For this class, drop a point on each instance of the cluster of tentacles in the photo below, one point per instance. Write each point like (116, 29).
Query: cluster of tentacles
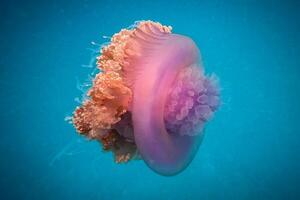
(105, 113)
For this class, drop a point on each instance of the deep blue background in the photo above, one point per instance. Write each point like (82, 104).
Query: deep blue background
(251, 149)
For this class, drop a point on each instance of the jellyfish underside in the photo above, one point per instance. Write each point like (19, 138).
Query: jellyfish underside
(151, 99)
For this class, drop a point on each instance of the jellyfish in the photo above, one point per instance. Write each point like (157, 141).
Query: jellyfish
(151, 98)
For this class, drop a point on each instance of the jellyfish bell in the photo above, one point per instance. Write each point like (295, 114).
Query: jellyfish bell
(153, 88)
(164, 151)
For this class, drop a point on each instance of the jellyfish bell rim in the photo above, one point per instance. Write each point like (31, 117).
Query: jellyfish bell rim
(176, 171)
(164, 153)
(173, 168)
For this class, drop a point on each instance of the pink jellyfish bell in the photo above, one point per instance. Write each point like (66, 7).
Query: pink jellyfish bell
(151, 99)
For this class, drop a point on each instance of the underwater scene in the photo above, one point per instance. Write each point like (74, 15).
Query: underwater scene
(149, 99)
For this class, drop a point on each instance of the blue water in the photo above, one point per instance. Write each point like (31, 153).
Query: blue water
(251, 149)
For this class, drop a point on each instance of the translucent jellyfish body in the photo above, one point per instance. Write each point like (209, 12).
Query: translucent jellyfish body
(151, 99)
